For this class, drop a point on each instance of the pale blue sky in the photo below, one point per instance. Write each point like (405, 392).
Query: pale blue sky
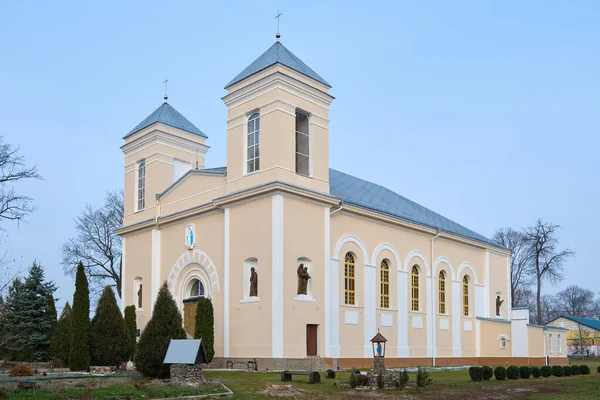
(486, 112)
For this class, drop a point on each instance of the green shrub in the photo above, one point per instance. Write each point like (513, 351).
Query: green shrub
(166, 324)
(487, 373)
(330, 374)
(575, 370)
(205, 326)
(546, 371)
(567, 371)
(3, 393)
(585, 370)
(79, 341)
(524, 372)
(536, 372)
(131, 326)
(402, 379)
(21, 370)
(352, 380)
(588, 369)
(476, 374)
(500, 373)
(362, 380)
(558, 371)
(423, 378)
(109, 342)
(512, 372)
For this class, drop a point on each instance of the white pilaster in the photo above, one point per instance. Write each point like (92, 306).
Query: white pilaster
(508, 290)
(477, 338)
(327, 237)
(480, 306)
(518, 327)
(456, 328)
(334, 316)
(487, 285)
(123, 276)
(277, 275)
(403, 293)
(155, 277)
(226, 285)
(370, 310)
(430, 318)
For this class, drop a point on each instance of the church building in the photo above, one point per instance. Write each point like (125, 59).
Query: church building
(304, 264)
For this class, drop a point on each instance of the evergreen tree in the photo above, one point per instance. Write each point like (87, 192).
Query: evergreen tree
(165, 324)
(109, 342)
(28, 316)
(59, 347)
(205, 327)
(131, 326)
(53, 322)
(79, 341)
(2, 329)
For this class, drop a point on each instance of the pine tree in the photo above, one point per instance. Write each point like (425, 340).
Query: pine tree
(205, 326)
(53, 322)
(59, 347)
(165, 324)
(109, 342)
(131, 326)
(79, 341)
(28, 316)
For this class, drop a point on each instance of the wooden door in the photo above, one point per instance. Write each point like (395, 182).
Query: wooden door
(189, 316)
(311, 340)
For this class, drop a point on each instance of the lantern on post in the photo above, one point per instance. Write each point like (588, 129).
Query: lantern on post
(378, 343)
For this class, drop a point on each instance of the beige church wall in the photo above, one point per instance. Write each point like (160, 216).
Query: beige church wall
(499, 283)
(304, 237)
(535, 341)
(459, 254)
(138, 264)
(250, 237)
(490, 335)
(193, 191)
(467, 338)
(389, 332)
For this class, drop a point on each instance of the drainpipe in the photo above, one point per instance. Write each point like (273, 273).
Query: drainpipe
(339, 209)
(433, 312)
(157, 212)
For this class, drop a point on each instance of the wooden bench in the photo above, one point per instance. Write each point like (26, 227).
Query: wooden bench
(249, 365)
(26, 385)
(313, 376)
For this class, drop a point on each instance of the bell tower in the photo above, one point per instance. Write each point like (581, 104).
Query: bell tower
(278, 123)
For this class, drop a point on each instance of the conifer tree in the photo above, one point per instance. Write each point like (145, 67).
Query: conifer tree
(205, 326)
(79, 342)
(59, 347)
(53, 322)
(165, 324)
(109, 342)
(131, 326)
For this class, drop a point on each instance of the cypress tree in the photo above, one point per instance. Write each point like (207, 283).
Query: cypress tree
(165, 324)
(205, 326)
(109, 343)
(59, 347)
(53, 322)
(79, 342)
(131, 326)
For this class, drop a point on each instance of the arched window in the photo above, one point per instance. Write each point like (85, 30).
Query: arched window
(442, 290)
(558, 344)
(141, 186)
(349, 293)
(550, 343)
(302, 144)
(466, 296)
(414, 284)
(385, 284)
(253, 140)
(503, 342)
(197, 289)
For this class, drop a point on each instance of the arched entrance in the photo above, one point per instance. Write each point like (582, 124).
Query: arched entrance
(194, 291)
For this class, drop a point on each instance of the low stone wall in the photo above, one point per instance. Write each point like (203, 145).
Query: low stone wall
(188, 375)
(274, 364)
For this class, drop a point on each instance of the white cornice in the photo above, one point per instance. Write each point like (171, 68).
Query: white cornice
(156, 134)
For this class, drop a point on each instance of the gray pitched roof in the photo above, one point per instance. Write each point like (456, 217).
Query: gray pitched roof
(277, 53)
(166, 114)
(371, 196)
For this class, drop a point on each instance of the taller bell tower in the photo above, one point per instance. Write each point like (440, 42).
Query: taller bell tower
(278, 123)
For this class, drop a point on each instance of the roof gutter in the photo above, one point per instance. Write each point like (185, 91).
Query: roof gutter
(338, 209)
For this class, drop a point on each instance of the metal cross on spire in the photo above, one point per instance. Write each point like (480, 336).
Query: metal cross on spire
(166, 82)
(278, 35)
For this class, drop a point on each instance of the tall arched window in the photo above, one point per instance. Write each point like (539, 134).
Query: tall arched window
(385, 284)
(349, 293)
(414, 284)
(466, 296)
(253, 140)
(141, 186)
(302, 144)
(442, 290)
(558, 344)
(550, 343)
(197, 289)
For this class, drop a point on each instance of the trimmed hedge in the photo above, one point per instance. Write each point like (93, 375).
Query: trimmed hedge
(575, 370)
(524, 372)
(536, 372)
(546, 371)
(567, 370)
(585, 370)
(500, 373)
(487, 373)
(512, 372)
(476, 374)
(558, 371)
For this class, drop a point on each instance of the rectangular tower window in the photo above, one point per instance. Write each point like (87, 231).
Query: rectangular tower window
(302, 145)
(253, 144)
(141, 186)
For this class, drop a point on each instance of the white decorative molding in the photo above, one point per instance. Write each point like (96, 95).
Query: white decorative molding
(391, 249)
(417, 322)
(387, 320)
(444, 260)
(352, 239)
(305, 298)
(370, 310)
(250, 300)
(123, 274)
(351, 317)
(277, 276)
(444, 324)
(328, 282)
(195, 256)
(226, 288)
(472, 270)
(468, 326)
(417, 254)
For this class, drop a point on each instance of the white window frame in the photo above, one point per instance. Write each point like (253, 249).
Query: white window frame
(245, 147)
(137, 186)
(558, 344)
(550, 350)
(310, 164)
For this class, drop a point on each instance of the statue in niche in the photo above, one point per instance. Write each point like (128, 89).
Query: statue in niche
(498, 305)
(139, 294)
(253, 283)
(303, 278)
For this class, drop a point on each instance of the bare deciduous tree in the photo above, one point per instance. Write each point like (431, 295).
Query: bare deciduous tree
(575, 301)
(96, 245)
(519, 261)
(546, 259)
